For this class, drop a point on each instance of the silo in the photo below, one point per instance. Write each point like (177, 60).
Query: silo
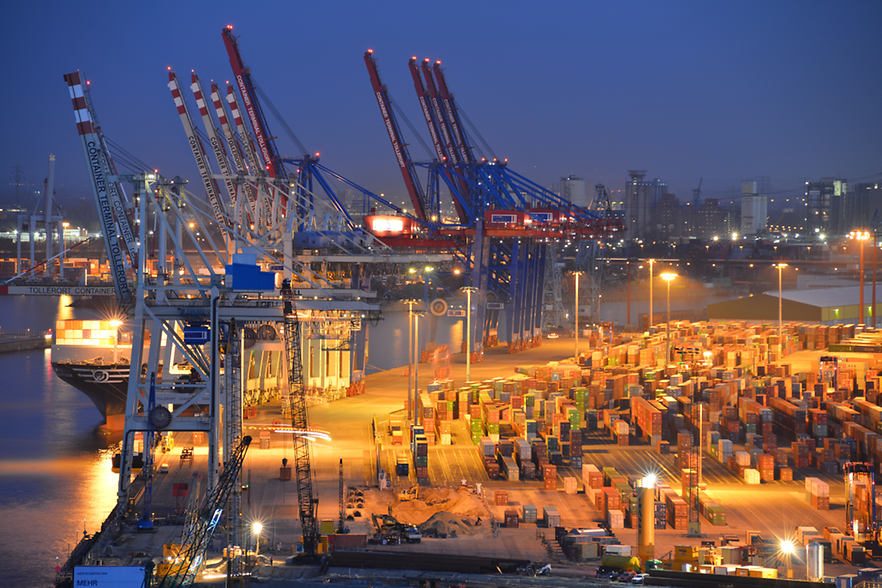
(814, 562)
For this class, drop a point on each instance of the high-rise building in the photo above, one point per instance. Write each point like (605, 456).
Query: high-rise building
(640, 200)
(819, 197)
(573, 189)
(855, 208)
(754, 209)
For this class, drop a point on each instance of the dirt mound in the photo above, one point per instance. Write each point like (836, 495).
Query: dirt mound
(447, 524)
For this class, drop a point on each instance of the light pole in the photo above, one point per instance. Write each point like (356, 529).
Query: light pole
(669, 277)
(257, 528)
(468, 337)
(787, 548)
(410, 394)
(416, 361)
(875, 248)
(115, 323)
(651, 261)
(861, 237)
(576, 354)
(780, 267)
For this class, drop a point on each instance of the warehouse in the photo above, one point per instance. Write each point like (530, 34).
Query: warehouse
(827, 306)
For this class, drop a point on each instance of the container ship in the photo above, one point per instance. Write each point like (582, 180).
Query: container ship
(93, 356)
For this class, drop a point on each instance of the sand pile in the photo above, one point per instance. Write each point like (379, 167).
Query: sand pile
(442, 509)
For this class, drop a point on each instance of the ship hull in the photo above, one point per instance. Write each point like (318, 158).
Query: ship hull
(106, 385)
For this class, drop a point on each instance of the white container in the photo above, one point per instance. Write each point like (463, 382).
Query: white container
(742, 458)
(752, 476)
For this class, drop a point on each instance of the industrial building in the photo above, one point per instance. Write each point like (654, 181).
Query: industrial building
(827, 306)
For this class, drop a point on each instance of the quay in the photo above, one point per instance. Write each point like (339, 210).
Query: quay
(13, 341)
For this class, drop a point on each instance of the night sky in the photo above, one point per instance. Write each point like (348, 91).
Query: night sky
(724, 91)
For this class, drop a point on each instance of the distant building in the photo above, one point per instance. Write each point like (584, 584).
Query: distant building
(820, 197)
(714, 221)
(667, 219)
(855, 208)
(641, 198)
(754, 209)
(573, 189)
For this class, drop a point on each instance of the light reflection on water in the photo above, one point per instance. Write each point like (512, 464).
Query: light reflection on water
(54, 472)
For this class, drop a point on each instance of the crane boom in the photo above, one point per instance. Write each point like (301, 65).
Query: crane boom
(453, 158)
(96, 158)
(465, 152)
(404, 161)
(268, 151)
(214, 137)
(265, 206)
(233, 143)
(196, 146)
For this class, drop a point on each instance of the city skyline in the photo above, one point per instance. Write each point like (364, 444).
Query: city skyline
(682, 90)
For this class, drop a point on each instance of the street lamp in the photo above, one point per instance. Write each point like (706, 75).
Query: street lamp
(410, 394)
(780, 267)
(788, 549)
(861, 237)
(416, 361)
(576, 355)
(669, 277)
(651, 262)
(468, 338)
(257, 527)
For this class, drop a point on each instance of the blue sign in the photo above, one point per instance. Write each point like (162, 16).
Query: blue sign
(196, 335)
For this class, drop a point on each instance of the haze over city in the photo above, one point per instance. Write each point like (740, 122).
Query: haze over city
(684, 90)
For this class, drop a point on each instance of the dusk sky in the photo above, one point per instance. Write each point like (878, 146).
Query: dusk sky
(724, 91)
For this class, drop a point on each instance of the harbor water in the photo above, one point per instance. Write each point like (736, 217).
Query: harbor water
(55, 473)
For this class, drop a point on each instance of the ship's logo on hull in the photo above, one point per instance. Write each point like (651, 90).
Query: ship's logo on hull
(100, 375)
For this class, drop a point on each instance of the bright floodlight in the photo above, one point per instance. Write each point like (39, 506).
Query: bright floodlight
(257, 528)
(115, 323)
(649, 481)
(787, 547)
(668, 276)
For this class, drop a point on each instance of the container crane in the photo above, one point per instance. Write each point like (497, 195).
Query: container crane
(104, 189)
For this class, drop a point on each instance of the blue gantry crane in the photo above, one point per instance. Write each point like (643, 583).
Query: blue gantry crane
(504, 220)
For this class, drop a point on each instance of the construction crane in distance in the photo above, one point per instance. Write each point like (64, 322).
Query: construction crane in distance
(696, 193)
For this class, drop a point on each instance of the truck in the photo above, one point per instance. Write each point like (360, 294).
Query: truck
(389, 529)
(629, 563)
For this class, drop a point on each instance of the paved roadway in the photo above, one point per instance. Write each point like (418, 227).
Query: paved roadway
(776, 509)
